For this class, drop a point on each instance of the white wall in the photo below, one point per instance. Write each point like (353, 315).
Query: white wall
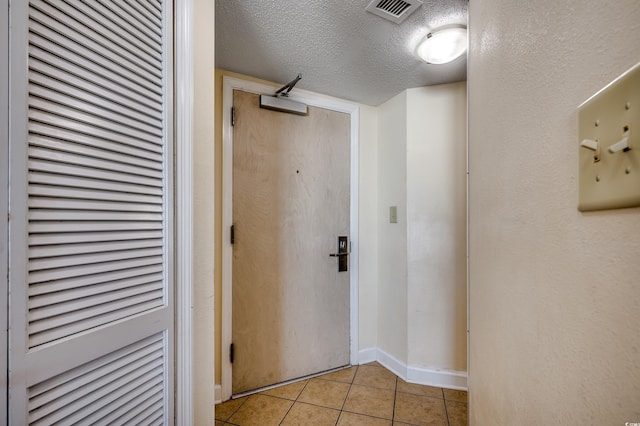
(203, 221)
(422, 298)
(368, 232)
(554, 293)
(437, 227)
(392, 237)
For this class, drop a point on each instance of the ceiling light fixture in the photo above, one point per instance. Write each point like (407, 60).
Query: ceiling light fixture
(444, 45)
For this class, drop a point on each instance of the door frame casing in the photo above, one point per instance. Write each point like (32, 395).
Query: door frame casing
(4, 207)
(183, 86)
(229, 84)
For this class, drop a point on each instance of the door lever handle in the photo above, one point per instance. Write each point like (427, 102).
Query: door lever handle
(339, 254)
(342, 254)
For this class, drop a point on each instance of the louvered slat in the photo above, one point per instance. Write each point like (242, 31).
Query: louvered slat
(148, 416)
(83, 389)
(81, 321)
(97, 394)
(71, 204)
(75, 238)
(132, 8)
(128, 154)
(143, 166)
(151, 6)
(50, 83)
(38, 163)
(51, 16)
(93, 247)
(67, 153)
(100, 75)
(57, 120)
(106, 36)
(133, 285)
(138, 400)
(71, 284)
(82, 54)
(65, 313)
(76, 113)
(73, 187)
(142, 40)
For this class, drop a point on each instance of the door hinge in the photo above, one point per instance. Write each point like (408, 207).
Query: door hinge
(231, 353)
(233, 116)
(232, 237)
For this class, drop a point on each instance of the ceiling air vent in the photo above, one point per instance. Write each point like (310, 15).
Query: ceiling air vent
(394, 10)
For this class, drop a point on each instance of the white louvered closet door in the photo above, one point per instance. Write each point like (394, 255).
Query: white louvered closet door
(90, 230)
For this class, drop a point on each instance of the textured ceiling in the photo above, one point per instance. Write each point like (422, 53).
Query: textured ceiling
(339, 48)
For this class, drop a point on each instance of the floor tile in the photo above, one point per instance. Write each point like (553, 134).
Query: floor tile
(370, 401)
(420, 410)
(421, 390)
(367, 395)
(261, 410)
(345, 375)
(325, 393)
(377, 377)
(455, 395)
(225, 410)
(290, 391)
(457, 412)
(304, 414)
(351, 419)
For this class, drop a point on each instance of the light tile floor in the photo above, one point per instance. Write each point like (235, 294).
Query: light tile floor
(361, 395)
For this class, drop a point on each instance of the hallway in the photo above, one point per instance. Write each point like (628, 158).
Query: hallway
(360, 395)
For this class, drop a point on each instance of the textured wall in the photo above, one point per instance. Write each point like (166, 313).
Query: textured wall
(392, 237)
(437, 227)
(554, 293)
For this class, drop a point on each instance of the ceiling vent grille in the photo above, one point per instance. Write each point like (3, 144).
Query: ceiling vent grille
(394, 10)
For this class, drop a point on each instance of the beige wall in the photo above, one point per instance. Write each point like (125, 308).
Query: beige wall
(203, 205)
(392, 237)
(554, 293)
(437, 227)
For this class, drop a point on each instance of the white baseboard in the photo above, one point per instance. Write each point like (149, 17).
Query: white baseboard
(217, 394)
(392, 363)
(448, 379)
(367, 355)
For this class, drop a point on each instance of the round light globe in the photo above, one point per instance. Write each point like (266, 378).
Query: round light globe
(443, 46)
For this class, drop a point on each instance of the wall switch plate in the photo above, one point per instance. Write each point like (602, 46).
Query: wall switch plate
(393, 214)
(609, 145)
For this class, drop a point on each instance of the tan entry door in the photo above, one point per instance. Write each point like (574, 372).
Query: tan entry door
(290, 204)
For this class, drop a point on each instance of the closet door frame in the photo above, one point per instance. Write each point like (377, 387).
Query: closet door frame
(183, 123)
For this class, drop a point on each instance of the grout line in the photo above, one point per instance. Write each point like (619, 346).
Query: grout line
(295, 400)
(348, 392)
(446, 411)
(395, 395)
(234, 411)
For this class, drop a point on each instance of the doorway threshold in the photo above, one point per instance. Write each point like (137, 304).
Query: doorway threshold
(288, 382)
